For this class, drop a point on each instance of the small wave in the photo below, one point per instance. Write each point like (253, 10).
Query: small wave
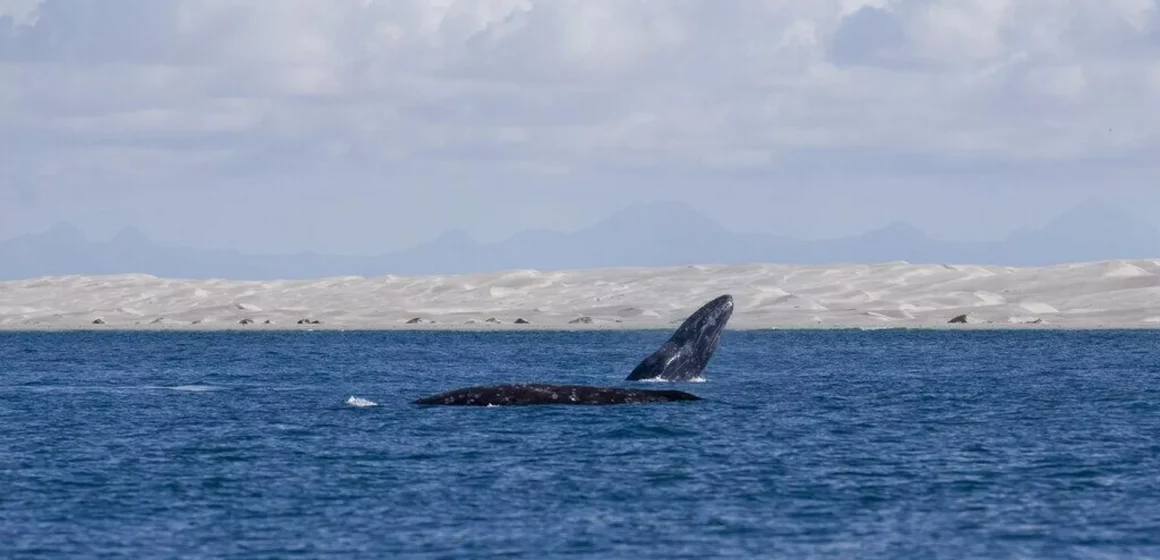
(643, 431)
(360, 402)
(109, 388)
(194, 388)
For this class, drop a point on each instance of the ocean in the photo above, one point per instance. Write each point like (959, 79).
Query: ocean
(809, 444)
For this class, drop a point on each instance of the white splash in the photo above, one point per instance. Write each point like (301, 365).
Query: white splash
(697, 379)
(360, 402)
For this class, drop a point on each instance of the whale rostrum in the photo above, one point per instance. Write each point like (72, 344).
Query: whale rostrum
(685, 354)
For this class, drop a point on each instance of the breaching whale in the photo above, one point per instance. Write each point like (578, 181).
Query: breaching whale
(685, 354)
(681, 358)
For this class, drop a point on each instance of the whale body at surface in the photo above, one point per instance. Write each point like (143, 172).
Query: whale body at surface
(543, 393)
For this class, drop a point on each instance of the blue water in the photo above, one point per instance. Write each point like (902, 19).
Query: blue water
(884, 444)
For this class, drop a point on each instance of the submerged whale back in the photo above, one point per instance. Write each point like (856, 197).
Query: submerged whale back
(541, 393)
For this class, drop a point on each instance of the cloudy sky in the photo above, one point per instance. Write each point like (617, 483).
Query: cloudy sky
(360, 126)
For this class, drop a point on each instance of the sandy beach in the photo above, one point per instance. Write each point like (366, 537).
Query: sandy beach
(1107, 294)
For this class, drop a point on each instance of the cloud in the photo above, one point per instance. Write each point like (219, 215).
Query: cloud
(145, 88)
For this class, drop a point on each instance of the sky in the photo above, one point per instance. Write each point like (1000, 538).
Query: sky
(364, 126)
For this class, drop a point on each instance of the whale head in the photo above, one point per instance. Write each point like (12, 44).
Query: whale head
(686, 353)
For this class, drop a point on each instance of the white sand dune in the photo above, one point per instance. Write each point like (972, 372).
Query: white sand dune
(1094, 295)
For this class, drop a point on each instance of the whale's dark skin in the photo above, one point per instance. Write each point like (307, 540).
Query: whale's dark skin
(542, 393)
(682, 357)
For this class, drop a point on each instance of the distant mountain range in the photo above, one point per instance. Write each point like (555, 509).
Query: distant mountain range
(662, 234)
